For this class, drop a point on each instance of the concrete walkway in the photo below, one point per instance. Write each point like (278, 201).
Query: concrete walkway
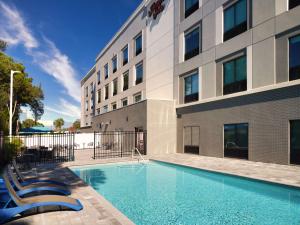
(99, 211)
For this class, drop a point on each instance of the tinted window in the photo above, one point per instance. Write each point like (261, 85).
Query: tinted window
(236, 140)
(293, 3)
(235, 76)
(106, 71)
(295, 142)
(125, 81)
(139, 73)
(192, 43)
(115, 90)
(138, 45)
(115, 64)
(235, 19)
(191, 88)
(125, 55)
(190, 7)
(106, 92)
(294, 58)
(191, 139)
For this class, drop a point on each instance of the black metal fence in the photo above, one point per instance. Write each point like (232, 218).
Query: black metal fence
(116, 144)
(39, 148)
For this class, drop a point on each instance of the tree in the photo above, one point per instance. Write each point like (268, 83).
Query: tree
(25, 93)
(58, 123)
(30, 123)
(3, 46)
(76, 125)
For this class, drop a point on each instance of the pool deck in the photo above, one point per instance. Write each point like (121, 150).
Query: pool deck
(99, 211)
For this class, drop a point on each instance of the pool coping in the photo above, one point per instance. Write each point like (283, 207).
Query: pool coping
(253, 178)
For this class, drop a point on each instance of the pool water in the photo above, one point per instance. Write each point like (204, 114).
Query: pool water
(161, 193)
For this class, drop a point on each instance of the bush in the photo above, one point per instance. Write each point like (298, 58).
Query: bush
(10, 150)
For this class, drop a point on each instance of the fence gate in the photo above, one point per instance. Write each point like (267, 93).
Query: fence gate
(41, 148)
(114, 144)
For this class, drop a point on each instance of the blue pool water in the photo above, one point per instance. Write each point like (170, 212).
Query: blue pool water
(161, 193)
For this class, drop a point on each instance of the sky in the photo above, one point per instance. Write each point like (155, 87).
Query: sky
(58, 41)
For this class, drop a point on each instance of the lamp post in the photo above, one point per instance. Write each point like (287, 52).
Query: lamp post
(12, 72)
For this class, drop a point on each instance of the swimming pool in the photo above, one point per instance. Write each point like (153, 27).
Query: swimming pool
(162, 193)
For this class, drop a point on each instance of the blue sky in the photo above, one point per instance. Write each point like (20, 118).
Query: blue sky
(58, 41)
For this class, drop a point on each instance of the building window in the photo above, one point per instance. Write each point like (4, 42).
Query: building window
(294, 58)
(192, 43)
(98, 77)
(106, 71)
(192, 140)
(138, 44)
(115, 87)
(125, 80)
(295, 142)
(125, 55)
(137, 97)
(293, 3)
(236, 140)
(190, 6)
(114, 106)
(98, 111)
(235, 76)
(106, 92)
(92, 103)
(139, 73)
(86, 91)
(92, 88)
(124, 102)
(115, 64)
(191, 88)
(105, 109)
(235, 19)
(99, 96)
(86, 105)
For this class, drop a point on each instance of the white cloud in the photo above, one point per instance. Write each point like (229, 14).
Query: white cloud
(50, 59)
(65, 108)
(14, 30)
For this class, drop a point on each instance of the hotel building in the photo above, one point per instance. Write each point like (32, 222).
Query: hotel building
(216, 78)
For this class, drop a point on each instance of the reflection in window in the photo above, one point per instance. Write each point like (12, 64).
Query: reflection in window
(192, 43)
(235, 75)
(294, 58)
(191, 88)
(295, 141)
(139, 73)
(137, 97)
(138, 45)
(235, 19)
(236, 140)
(190, 6)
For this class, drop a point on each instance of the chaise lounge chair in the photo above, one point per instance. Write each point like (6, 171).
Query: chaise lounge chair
(24, 181)
(17, 205)
(35, 187)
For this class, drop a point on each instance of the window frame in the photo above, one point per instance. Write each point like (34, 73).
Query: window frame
(194, 98)
(114, 62)
(239, 28)
(106, 71)
(196, 51)
(106, 94)
(136, 53)
(293, 156)
(127, 87)
(235, 75)
(124, 62)
(241, 155)
(105, 109)
(99, 77)
(112, 106)
(99, 96)
(297, 77)
(140, 79)
(191, 10)
(115, 86)
(123, 100)
(137, 94)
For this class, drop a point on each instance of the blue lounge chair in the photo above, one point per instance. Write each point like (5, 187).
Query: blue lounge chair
(35, 187)
(17, 205)
(24, 181)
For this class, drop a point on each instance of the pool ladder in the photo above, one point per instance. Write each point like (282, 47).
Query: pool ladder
(140, 155)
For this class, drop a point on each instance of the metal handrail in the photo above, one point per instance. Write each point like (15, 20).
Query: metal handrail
(138, 153)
